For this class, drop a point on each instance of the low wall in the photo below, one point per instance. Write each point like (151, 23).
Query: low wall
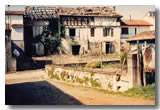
(112, 82)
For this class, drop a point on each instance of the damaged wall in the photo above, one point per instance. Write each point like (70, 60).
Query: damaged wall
(107, 81)
(38, 28)
(83, 33)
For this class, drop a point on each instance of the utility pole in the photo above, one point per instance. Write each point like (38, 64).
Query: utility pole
(101, 57)
(144, 70)
(138, 65)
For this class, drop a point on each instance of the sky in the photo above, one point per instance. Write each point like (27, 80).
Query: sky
(135, 11)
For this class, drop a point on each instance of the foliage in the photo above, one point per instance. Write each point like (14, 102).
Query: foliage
(50, 72)
(51, 39)
(123, 57)
(147, 92)
(51, 43)
(93, 64)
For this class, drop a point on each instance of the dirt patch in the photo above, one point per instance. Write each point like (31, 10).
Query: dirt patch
(38, 90)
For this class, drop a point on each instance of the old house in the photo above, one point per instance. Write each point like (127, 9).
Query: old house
(146, 41)
(36, 21)
(131, 27)
(14, 38)
(85, 28)
(89, 26)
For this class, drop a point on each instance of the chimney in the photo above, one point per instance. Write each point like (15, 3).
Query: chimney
(114, 8)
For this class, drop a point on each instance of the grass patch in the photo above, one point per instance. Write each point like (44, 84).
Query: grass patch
(148, 92)
(93, 65)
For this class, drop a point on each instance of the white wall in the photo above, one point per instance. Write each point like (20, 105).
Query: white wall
(151, 20)
(131, 31)
(37, 30)
(83, 32)
(14, 19)
(16, 32)
(38, 27)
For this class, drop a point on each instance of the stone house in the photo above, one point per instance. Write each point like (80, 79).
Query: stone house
(130, 28)
(88, 27)
(85, 28)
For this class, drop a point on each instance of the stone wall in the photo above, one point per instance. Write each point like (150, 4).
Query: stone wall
(107, 81)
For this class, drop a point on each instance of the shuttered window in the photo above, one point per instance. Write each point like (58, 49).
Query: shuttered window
(92, 32)
(124, 30)
(107, 32)
(72, 32)
(112, 33)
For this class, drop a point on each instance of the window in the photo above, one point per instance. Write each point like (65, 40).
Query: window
(124, 30)
(72, 32)
(135, 31)
(109, 47)
(106, 31)
(92, 32)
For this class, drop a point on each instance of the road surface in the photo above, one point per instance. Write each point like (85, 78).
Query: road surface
(33, 87)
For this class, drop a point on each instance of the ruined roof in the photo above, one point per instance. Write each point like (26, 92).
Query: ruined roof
(14, 12)
(41, 12)
(49, 12)
(88, 11)
(146, 35)
(135, 23)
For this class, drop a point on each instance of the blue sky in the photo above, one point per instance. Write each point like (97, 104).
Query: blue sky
(136, 11)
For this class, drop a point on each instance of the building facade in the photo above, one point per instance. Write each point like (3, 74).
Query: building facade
(14, 38)
(85, 28)
(130, 28)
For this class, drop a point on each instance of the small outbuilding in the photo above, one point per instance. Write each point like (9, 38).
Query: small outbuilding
(142, 45)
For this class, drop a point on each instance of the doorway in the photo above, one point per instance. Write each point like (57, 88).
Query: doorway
(28, 33)
(134, 60)
(108, 47)
(75, 49)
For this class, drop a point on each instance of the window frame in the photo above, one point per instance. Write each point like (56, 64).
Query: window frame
(92, 31)
(125, 32)
(105, 32)
(71, 29)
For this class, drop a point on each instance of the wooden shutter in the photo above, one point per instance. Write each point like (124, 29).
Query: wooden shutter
(92, 32)
(112, 33)
(104, 32)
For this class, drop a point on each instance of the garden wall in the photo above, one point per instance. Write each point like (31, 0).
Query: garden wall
(107, 81)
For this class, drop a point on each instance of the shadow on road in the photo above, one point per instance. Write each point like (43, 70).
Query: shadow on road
(37, 93)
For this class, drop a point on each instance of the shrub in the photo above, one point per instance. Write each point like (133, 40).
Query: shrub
(123, 57)
(50, 72)
(93, 64)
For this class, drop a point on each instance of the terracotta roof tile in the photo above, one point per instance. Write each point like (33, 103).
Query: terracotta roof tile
(89, 11)
(146, 35)
(135, 23)
(17, 25)
(14, 12)
(49, 12)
